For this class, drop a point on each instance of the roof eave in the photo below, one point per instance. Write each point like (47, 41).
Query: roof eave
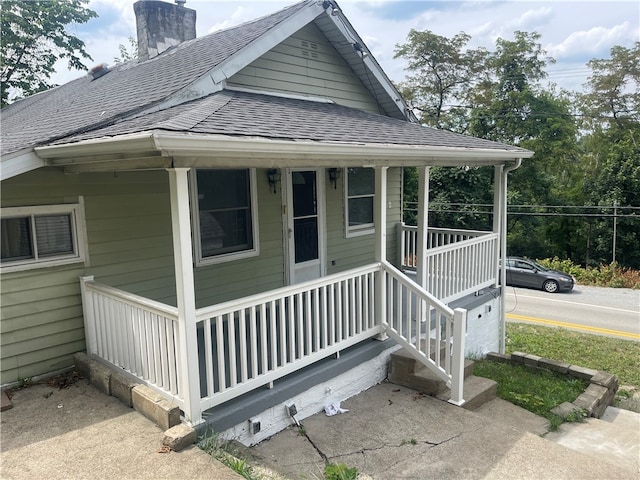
(161, 149)
(20, 162)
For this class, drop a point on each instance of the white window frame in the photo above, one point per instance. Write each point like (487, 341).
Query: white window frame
(201, 261)
(78, 234)
(356, 231)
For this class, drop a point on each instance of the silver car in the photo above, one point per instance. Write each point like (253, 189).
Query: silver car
(522, 272)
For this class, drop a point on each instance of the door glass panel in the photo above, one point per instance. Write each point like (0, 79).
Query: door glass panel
(304, 194)
(305, 216)
(306, 235)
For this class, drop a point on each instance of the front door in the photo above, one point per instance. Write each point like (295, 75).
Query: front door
(305, 224)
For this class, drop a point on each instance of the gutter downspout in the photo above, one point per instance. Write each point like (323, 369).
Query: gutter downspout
(503, 253)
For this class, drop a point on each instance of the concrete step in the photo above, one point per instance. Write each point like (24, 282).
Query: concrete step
(476, 392)
(407, 371)
(614, 438)
(403, 363)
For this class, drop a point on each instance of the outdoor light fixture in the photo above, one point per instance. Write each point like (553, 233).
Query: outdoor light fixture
(273, 175)
(334, 9)
(334, 174)
(358, 48)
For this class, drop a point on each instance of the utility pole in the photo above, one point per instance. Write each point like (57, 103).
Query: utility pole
(615, 225)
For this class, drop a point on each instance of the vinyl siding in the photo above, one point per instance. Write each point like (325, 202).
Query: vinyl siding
(306, 64)
(225, 281)
(128, 223)
(344, 253)
(128, 227)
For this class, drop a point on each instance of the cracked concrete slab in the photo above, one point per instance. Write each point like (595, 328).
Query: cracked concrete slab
(393, 432)
(81, 433)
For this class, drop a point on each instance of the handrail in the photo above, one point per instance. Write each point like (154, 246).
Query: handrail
(427, 328)
(271, 295)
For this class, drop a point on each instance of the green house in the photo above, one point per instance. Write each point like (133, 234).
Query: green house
(223, 214)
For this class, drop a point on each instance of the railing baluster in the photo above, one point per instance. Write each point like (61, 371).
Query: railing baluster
(231, 342)
(264, 367)
(339, 312)
(253, 333)
(325, 306)
(315, 295)
(307, 322)
(222, 367)
(208, 357)
(358, 301)
(242, 340)
(352, 304)
(282, 317)
(273, 334)
(172, 346)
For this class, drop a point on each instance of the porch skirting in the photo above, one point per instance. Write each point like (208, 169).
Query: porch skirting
(311, 389)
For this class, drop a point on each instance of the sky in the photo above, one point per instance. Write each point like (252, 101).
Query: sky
(572, 32)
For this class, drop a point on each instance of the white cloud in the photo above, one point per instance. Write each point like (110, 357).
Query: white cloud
(592, 41)
(571, 31)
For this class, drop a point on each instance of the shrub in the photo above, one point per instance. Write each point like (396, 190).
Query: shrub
(611, 275)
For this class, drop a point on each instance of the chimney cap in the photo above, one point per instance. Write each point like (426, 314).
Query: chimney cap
(180, 2)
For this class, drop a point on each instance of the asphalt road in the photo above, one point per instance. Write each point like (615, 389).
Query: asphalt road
(605, 311)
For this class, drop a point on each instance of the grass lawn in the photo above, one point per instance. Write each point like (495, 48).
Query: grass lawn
(539, 390)
(616, 356)
(531, 388)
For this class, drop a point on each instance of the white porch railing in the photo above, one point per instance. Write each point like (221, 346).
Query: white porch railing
(255, 340)
(136, 334)
(457, 262)
(250, 342)
(428, 329)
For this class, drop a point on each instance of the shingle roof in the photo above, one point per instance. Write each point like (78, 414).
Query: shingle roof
(246, 114)
(84, 103)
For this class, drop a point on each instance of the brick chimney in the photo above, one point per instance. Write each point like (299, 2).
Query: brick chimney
(162, 25)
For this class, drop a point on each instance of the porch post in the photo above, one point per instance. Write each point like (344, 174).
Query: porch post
(423, 226)
(380, 221)
(189, 384)
(422, 269)
(497, 213)
(500, 223)
(457, 360)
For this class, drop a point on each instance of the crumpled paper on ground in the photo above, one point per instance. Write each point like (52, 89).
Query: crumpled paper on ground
(334, 409)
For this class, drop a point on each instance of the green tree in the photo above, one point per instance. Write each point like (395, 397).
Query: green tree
(519, 111)
(611, 113)
(443, 73)
(504, 102)
(127, 55)
(33, 39)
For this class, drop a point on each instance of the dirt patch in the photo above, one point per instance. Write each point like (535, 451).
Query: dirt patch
(628, 398)
(60, 381)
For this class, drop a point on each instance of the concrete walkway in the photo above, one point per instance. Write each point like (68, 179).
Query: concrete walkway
(392, 432)
(80, 433)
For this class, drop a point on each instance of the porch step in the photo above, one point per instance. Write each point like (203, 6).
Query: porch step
(476, 392)
(407, 371)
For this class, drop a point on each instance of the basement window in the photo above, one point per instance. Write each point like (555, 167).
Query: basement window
(41, 236)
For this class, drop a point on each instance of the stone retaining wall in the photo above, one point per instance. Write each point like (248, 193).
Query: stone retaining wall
(594, 400)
